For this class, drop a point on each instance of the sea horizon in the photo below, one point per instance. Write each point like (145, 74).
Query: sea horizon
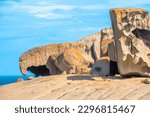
(8, 79)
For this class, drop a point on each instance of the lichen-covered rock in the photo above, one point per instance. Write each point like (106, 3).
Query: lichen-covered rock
(101, 67)
(38, 60)
(131, 28)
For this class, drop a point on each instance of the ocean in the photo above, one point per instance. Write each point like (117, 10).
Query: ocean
(10, 79)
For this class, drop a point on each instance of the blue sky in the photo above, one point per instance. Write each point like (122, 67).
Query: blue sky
(25, 24)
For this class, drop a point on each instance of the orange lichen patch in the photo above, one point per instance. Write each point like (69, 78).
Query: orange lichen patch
(74, 54)
(120, 11)
(129, 10)
(118, 14)
(105, 44)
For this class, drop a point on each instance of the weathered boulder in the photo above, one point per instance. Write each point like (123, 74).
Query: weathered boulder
(145, 81)
(20, 80)
(107, 44)
(101, 67)
(70, 61)
(40, 60)
(131, 28)
(51, 65)
(93, 44)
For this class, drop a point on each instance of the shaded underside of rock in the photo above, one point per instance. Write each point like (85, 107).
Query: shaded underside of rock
(131, 28)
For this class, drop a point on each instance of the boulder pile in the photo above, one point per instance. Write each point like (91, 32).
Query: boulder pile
(123, 49)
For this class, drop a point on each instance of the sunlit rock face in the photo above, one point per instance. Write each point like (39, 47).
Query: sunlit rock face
(131, 28)
(107, 64)
(40, 60)
(70, 61)
(101, 67)
(93, 43)
(107, 44)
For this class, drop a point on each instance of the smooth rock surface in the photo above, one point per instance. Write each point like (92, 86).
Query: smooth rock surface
(77, 87)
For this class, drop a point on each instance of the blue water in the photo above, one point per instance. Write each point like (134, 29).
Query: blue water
(10, 79)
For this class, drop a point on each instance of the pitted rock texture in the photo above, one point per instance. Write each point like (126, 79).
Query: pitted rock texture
(37, 59)
(131, 28)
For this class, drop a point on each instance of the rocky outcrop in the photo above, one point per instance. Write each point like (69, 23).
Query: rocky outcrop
(93, 44)
(107, 64)
(107, 45)
(106, 39)
(125, 48)
(41, 60)
(20, 80)
(131, 29)
(70, 61)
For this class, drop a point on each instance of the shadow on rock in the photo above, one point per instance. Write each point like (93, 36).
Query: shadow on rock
(79, 77)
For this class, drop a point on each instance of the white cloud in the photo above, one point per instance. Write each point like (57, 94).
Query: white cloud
(44, 10)
(51, 16)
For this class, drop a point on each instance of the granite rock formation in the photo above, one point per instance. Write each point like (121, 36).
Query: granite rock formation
(131, 28)
(93, 43)
(123, 49)
(107, 45)
(41, 60)
(101, 67)
(70, 61)
(107, 64)
(20, 80)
